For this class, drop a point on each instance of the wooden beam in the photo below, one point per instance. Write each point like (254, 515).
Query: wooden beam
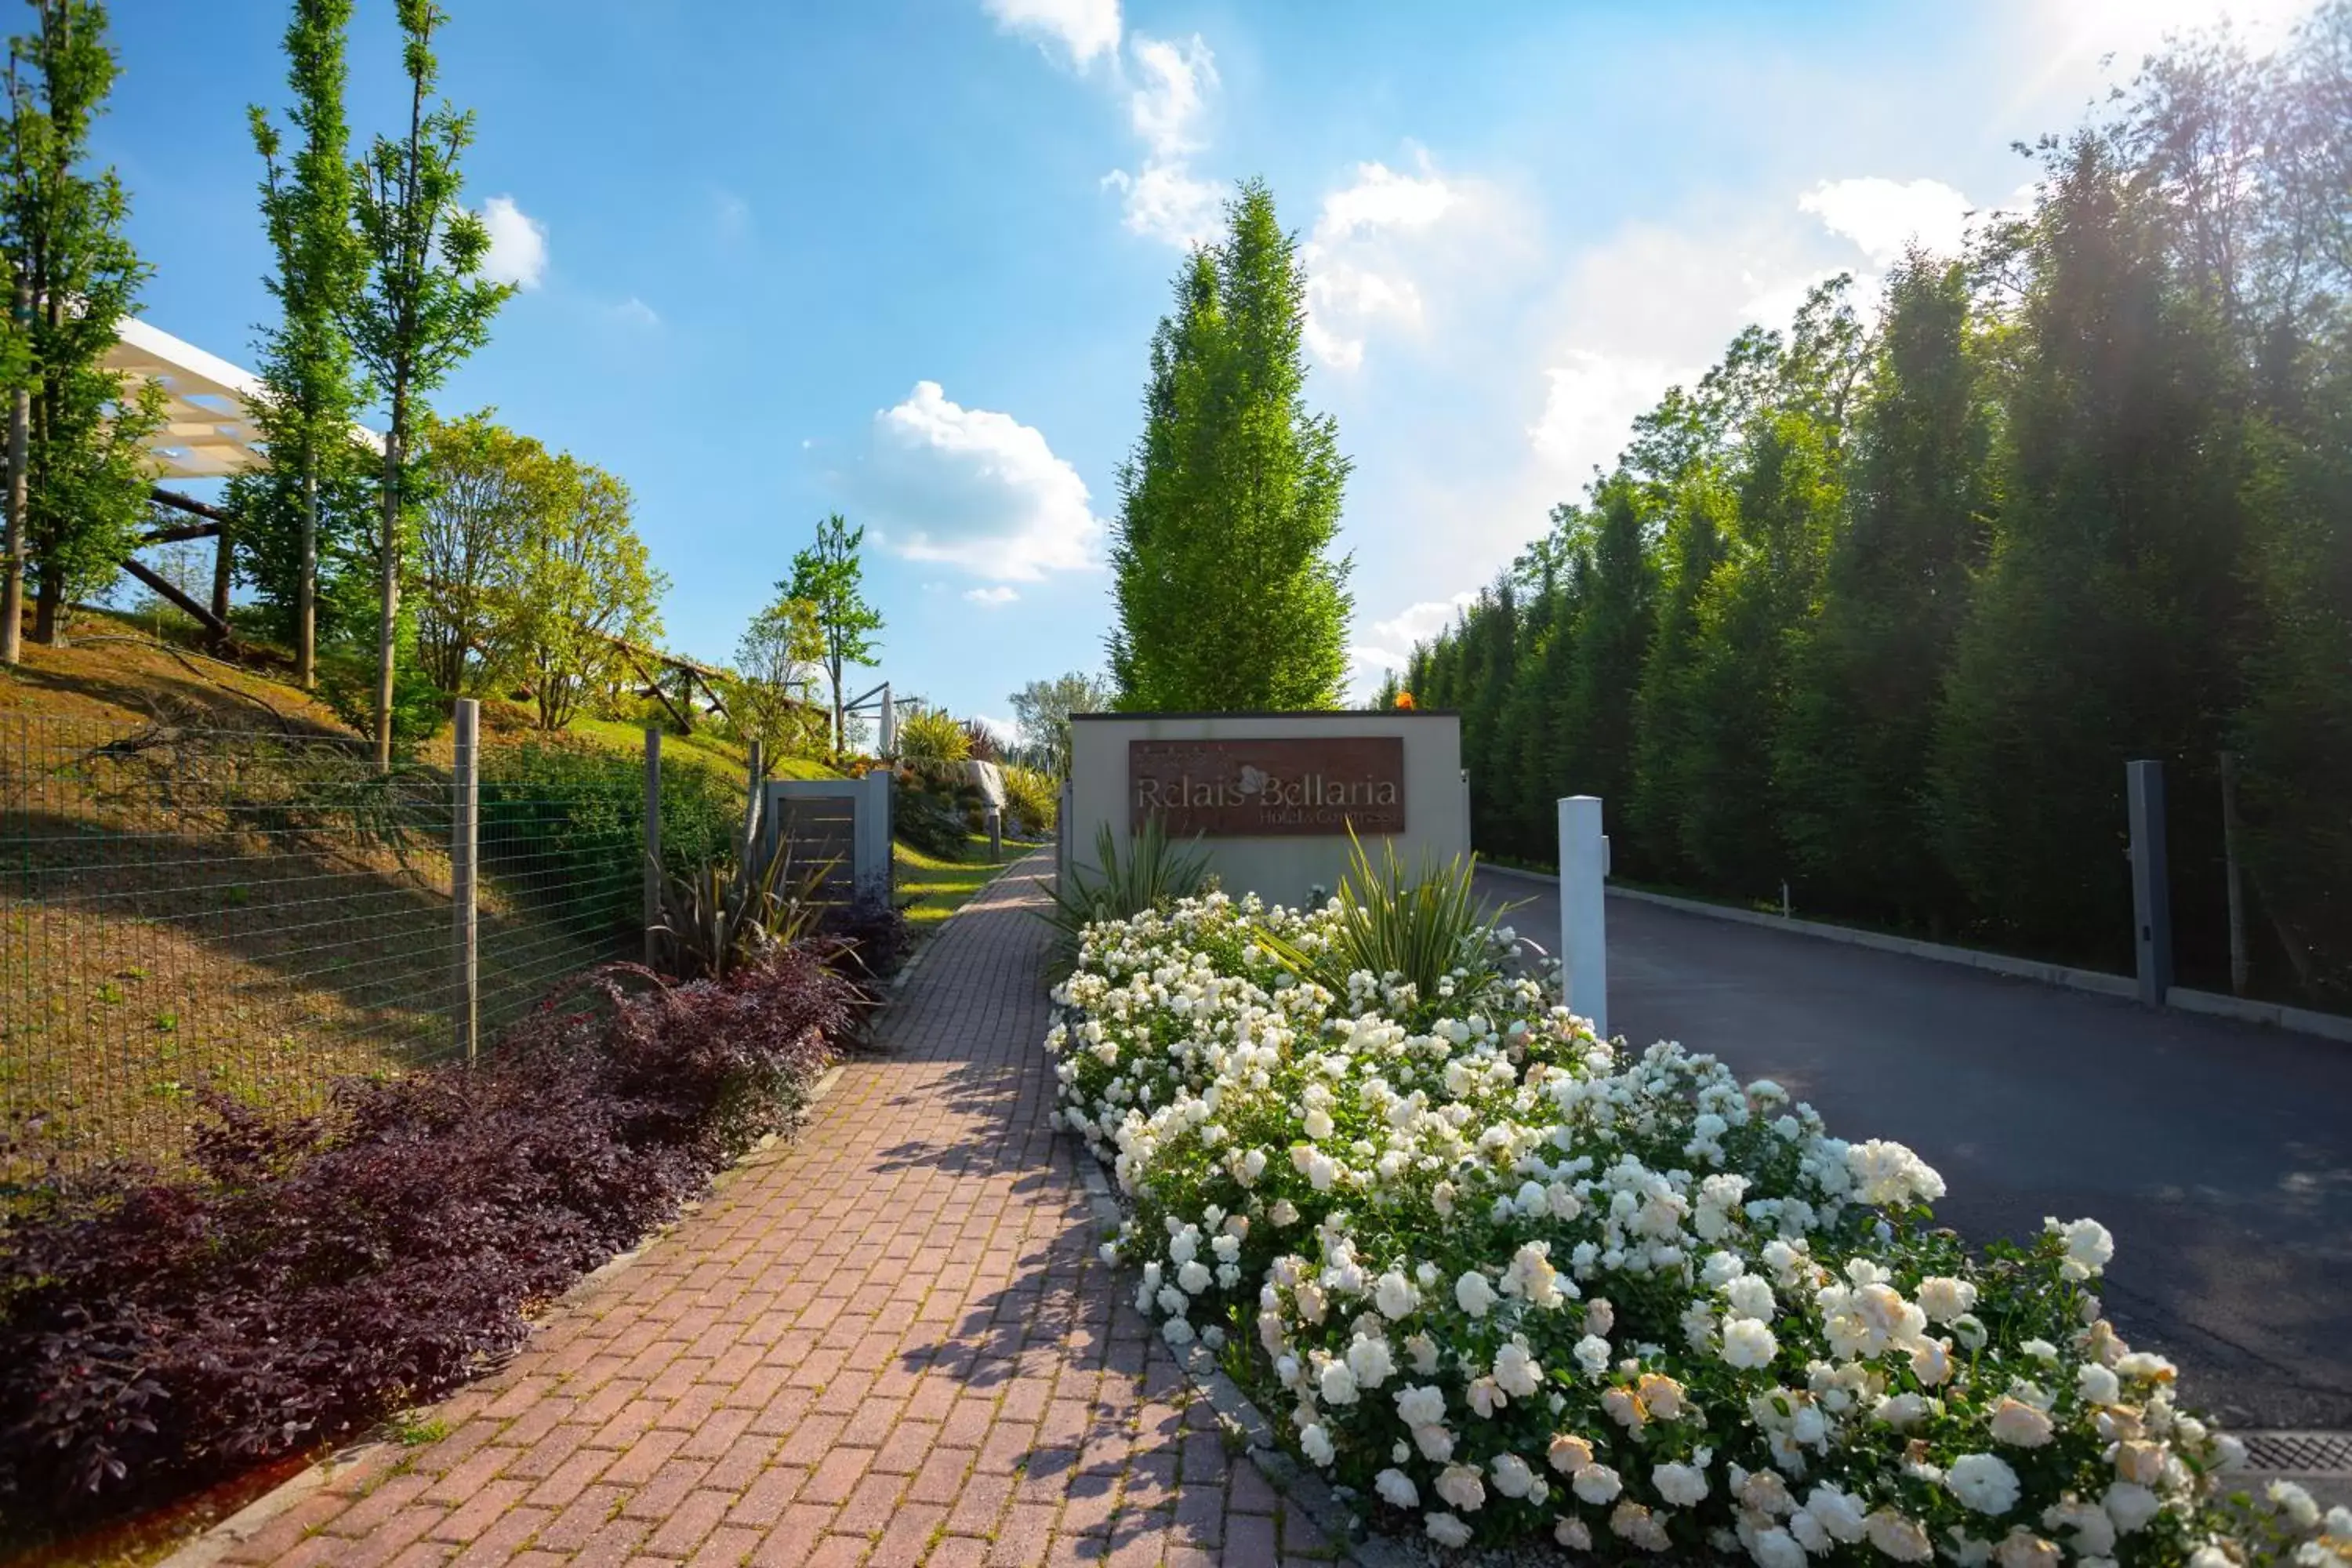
(180, 531)
(685, 724)
(188, 504)
(167, 590)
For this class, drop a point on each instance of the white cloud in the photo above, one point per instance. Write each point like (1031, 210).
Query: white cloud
(1368, 251)
(992, 596)
(1166, 202)
(1883, 215)
(1390, 643)
(517, 253)
(975, 489)
(1006, 731)
(1085, 29)
(633, 311)
(1176, 79)
(1590, 405)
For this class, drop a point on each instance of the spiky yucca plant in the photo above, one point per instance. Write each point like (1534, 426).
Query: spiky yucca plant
(1423, 932)
(1153, 872)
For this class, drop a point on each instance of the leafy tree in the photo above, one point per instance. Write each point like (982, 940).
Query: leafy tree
(486, 492)
(2101, 630)
(308, 504)
(831, 575)
(776, 663)
(74, 276)
(423, 309)
(1228, 596)
(1850, 768)
(1592, 742)
(580, 581)
(1042, 711)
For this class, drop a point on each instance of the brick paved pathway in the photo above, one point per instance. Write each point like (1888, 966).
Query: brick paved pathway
(891, 1343)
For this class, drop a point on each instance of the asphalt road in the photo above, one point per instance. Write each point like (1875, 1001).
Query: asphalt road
(2219, 1153)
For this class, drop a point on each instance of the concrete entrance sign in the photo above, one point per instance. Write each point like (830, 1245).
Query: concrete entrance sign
(1272, 798)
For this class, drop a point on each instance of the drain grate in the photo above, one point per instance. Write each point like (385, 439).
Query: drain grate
(2299, 1453)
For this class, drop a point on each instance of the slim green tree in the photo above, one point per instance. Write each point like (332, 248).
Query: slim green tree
(581, 584)
(831, 575)
(1592, 728)
(310, 389)
(1850, 769)
(1042, 711)
(79, 496)
(776, 661)
(1228, 594)
(425, 307)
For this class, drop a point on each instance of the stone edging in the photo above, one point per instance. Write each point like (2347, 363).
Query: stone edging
(2302, 1020)
(1299, 1488)
(207, 1549)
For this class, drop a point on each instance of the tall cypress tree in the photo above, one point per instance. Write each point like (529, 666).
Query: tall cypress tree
(74, 276)
(2102, 630)
(310, 503)
(1228, 594)
(1851, 765)
(1593, 734)
(425, 307)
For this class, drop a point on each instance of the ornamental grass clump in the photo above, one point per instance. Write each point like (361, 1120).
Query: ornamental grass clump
(1504, 1280)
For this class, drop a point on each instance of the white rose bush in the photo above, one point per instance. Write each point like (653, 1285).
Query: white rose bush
(1501, 1280)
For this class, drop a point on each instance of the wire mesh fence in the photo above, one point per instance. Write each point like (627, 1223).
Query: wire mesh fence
(261, 913)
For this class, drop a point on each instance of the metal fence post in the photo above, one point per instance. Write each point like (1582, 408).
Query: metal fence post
(1583, 932)
(2239, 969)
(653, 843)
(2151, 881)
(465, 818)
(748, 856)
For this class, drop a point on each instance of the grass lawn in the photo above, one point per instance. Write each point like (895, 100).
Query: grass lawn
(704, 747)
(942, 887)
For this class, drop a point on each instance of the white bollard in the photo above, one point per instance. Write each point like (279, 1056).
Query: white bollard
(1583, 935)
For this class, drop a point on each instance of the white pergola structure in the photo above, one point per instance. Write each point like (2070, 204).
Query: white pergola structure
(207, 432)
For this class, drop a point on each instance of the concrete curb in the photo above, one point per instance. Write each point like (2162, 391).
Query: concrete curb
(207, 1549)
(1302, 1488)
(2300, 1020)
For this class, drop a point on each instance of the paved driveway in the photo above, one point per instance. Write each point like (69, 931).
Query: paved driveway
(2219, 1153)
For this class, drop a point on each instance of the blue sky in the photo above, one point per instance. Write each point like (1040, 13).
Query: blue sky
(903, 261)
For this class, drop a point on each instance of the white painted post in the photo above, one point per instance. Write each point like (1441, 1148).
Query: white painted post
(465, 818)
(652, 845)
(1583, 935)
(996, 833)
(2151, 880)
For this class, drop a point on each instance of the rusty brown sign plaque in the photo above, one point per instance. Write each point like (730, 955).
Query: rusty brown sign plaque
(1269, 788)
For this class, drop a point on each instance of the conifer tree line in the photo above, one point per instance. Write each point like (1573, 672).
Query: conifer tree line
(1880, 608)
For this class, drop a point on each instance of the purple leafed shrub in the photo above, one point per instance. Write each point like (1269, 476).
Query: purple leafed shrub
(313, 1276)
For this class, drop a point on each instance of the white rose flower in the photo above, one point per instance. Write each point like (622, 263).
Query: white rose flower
(1435, 1443)
(1316, 1443)
(2132, 1505)
(1776, 1548)
(1516, 1372)
(1983, 1483)
(1423, 1352)
(1592, 1354)
(1572, 1532)
(1839, 1516)
(1446, 1529)
(1569, 1454)
(2020, 1425)
(1513, 1477)
(1396, 1489)
(1394, 1294)
(1420, 1404)
(1899, 1536)
(1336, 1383)
(1943, 1297)
(1750, 1296)
(1475, 1293)
(1194, 1276)
(1371, 1360)
(1682, 1485)
(2089, 1246)
(1461, 1486)
(1747, 1343)
(1597, 1484)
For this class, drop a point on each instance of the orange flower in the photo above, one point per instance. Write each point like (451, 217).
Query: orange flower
(1404, 702)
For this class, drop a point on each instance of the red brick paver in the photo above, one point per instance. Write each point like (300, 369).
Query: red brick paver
(889, 1343)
